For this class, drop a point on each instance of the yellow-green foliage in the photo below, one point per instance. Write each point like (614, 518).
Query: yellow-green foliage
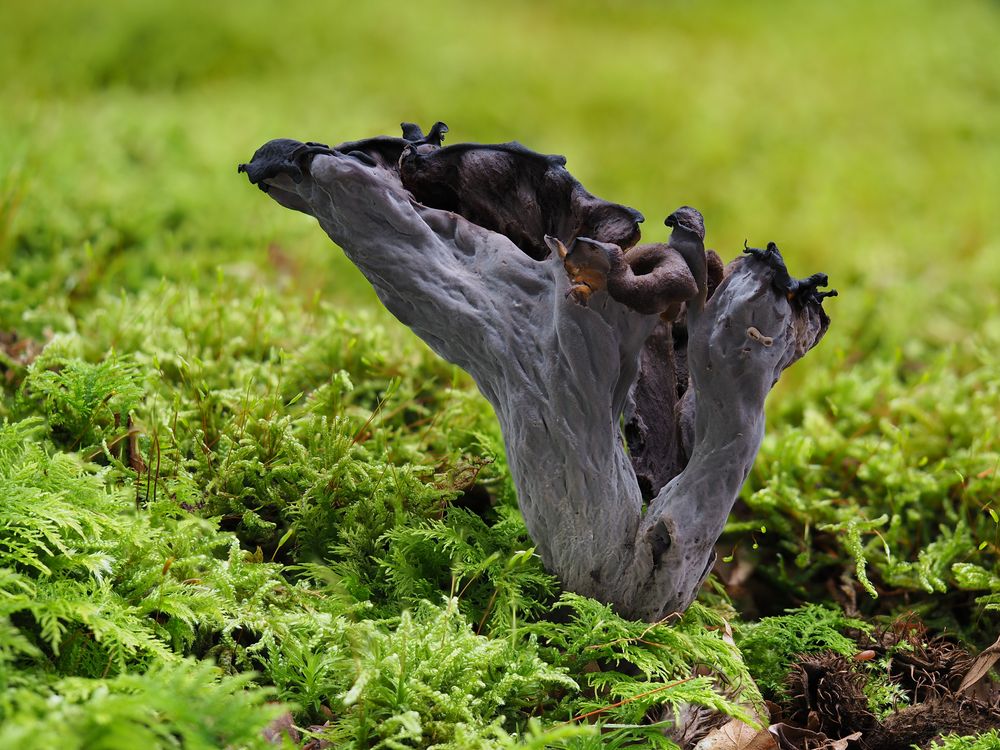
(171, 705)
(647, 665)
(987, 741)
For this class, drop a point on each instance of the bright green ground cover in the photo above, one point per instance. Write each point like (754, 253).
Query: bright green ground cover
(289, 507)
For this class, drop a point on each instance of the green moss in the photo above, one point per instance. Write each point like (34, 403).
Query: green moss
(987, 741)
(888, 469)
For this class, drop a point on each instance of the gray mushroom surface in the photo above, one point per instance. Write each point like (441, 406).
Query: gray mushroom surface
(458, 244)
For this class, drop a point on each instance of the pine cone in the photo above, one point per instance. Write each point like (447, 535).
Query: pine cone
(826, 695)
(924, 668)
(932, 720)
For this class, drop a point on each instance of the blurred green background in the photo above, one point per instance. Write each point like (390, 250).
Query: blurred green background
(864, 138)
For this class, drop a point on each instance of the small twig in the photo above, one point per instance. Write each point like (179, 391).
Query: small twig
(639, 638)
(375, 411)
(623, 701)
(487, 611)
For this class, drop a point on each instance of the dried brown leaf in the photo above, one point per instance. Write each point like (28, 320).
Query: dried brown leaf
(981, 665)
(797, 738)
(281, 727)
(737, 735)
